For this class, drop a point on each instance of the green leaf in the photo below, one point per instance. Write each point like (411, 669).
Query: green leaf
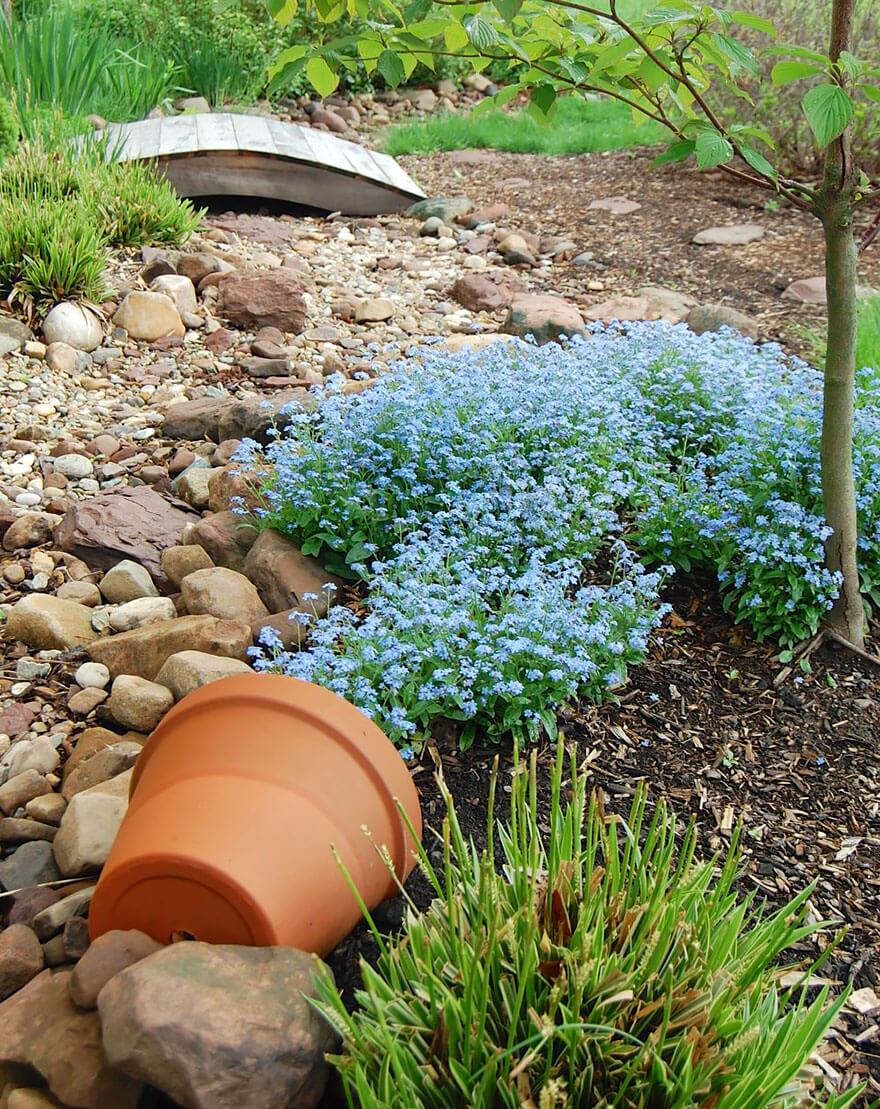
(480, 32)
(757, 161)
(321, 75)
(391, 68)
(455, 36)
(828, 110)
(677, 152)
(712, 149)
(755, 22)
(543, 97)
(739, 54)
(783, 73)
(849, 63)
(282, 10)
(872, 92)
(508, 9)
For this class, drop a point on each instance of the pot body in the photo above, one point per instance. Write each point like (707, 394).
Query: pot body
(240, 802)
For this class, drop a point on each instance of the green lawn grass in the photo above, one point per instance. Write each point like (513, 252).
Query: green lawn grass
(868, 349)
(577, 127)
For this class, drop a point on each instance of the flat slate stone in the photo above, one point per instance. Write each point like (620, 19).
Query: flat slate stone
(221, 153)
(734, 234)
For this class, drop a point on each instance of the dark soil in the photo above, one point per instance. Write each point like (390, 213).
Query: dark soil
(713, 723)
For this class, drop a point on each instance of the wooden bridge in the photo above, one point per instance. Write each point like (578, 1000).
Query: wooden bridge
(220, 154)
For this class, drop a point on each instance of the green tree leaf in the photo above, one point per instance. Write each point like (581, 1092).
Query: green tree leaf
(783, 73)
(828, 110)
(391, 68)
(712, 149)
(757, 161)
(755, 22)
(677, 152)
(321, 75)
(740, 55)
(480, 32)
(543, 97)
(871, 91)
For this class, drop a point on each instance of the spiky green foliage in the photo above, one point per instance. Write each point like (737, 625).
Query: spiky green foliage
(602, 965)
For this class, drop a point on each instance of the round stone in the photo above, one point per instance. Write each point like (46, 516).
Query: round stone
(92, 675)
(73, 465)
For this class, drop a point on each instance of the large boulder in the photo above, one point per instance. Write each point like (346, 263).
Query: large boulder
(219, 418)
(219, 1027)
(134, 523)
(547, 318)
(263, 298)
(50, 623)
(143, 650)
(40, 1027)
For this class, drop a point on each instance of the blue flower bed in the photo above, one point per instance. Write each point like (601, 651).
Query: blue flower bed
(513, 513)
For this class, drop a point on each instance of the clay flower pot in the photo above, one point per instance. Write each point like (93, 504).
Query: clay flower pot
(236, 802)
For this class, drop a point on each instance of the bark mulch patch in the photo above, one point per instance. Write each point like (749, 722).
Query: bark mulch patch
(725, 733)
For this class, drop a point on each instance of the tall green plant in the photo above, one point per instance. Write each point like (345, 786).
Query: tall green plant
(8, 129)
(600, 965)
(664, 62)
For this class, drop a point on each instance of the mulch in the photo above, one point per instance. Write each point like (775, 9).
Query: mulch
(711, 721)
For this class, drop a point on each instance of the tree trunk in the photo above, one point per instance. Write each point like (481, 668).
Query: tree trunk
(835, 209)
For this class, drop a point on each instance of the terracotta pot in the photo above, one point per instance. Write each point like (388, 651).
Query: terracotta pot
(236, 802)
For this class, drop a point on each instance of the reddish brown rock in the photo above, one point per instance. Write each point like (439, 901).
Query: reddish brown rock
(484, 292)
(284, 576)
(21, 958)
(225, 536)
(134, 523)
(41, 1028)
(544, 317)
(107, 956)
(252, 1014)
(263, 297)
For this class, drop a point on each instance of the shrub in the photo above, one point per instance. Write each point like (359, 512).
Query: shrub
(492, 502)
(599, 966)
(60, 211)
(8, 129)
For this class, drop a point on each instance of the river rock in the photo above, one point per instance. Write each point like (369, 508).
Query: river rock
(136, 523)
(177, 562)
(13, 335)
(41, 1028)
(710, 317)
(142, 611)
(89, 826)
(486, 292)
(144, 650)
(545, 317)
(21, 958)
(223, 593)
(190, 670)
(445, 208)
(37, 754)
(49, 623)
(29, 865)
(136, 703)
(225, 536)
(72, 324)
(104, 764)
(179, 289)
(106, 957)
(22, 788)
(28, 530)
(284, 576)
(150, 316)
(252, 1015)
(127, 581)
(263, 298)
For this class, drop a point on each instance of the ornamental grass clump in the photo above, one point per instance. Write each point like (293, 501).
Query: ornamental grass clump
(512, 513)
(601, 964)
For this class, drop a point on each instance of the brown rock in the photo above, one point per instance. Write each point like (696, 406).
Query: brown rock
(484, 292)
(177, 562)
(223, 593)
(150, 316)
(29, 530)
(30, 901)
(192, 420)
(263, 297)
(710, 317)
(545, 317)
(21, 959)
(225, 536)
(41, 1028)
(284, 576)
(190, 670)
(13, 830)
(50, 623)
(105, 958)
(104, 764)
(219, 341)
(230, 487)
(16, 720)
(135, 703)
(89, 743)
(144, 650)
(48, 808)
(85, 701)
(89, 826)
(75, 938)
(134, 523)
(252, 1014)
(22, 788)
